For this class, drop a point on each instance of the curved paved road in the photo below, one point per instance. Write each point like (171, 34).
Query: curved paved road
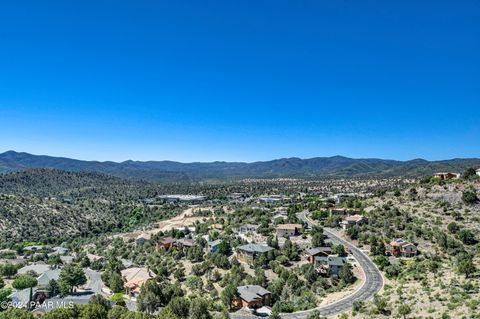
(373, 280)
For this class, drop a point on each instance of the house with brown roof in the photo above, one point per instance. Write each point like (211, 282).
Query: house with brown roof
(250, 252)
(318, 251)
(402, 248)
(446, 175)
(134, 278)
(350, 221)
(165, 243)
(251, 296)
(185, 243)
(284, 230)
(337, 211)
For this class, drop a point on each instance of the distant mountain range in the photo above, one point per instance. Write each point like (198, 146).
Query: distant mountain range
(169, 171)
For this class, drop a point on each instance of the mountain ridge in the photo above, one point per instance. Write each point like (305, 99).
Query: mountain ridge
(161, 171)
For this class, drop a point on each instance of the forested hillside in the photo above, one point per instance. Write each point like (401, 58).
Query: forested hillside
(169, 171)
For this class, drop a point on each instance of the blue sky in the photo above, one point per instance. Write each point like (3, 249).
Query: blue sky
(240, 80)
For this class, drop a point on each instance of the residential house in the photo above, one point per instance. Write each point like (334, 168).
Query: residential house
(185, 243)
(15, 261)
(318, 251)
(126, 263)
(354, 220)
(337, 211)
(478, 171)
(22, 298)
(329, 265)
(250, 252)
(165, 243)
(216, 226)
(134, 278)
(48, 305)
(237, 197)
(33, 248)
(188, 199)
(142, 239)
(212, 246)
(279, 216)
(60, 250)
(447, 175)
(44, 279)
(36, 268)
(66, 259)
(95, 258)
(281, 211)
(284, 230)
(270, 199)
(252, 296)
(402, 248)
(248, 228)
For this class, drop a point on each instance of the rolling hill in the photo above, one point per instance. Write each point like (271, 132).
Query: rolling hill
(170, 171)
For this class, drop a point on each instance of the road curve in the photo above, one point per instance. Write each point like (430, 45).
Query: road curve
(373, 280)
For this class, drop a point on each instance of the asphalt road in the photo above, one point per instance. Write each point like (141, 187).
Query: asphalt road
(373, 280)
(94, 281)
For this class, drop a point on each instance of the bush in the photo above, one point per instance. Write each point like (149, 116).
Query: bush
(382, 262)
(469, 197)
(23, 282)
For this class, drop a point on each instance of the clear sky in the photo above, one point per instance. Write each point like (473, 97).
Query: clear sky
(240, 80)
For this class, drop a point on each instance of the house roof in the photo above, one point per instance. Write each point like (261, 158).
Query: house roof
(93, 257)
(332, 260)
(289, 226)
(60, 250)
(402, 245)
(45, 278)
(137, 272)
(317, 250)
(16, 261)
(255, 248)
(37, 268)
(186, 242)
(398, 242)
(166, 240)
(22, 297)
(127, 263)
(33, 247)
(214, 242)
(54, 303)
(250, 226)
(354, 218)
(251, 292)
(66, 259)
